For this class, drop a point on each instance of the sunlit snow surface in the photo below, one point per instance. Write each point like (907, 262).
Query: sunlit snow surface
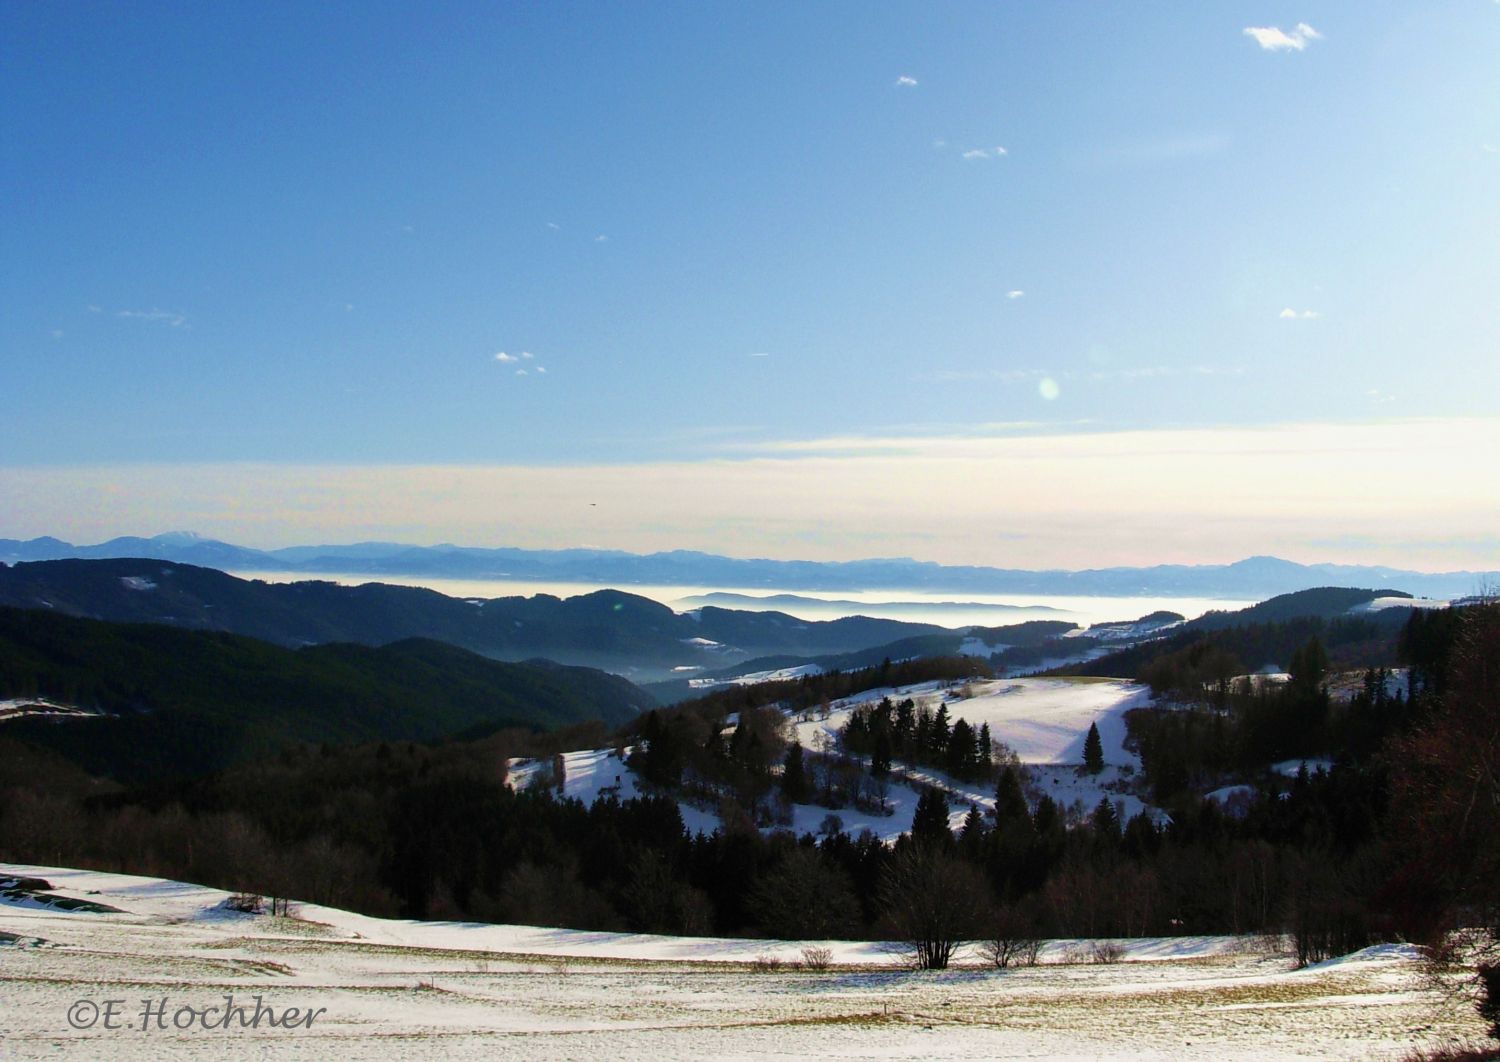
(1044, 720)
(403, 990)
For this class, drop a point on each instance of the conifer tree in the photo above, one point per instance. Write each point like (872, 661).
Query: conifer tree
(906, 725)
(1106, 821)
(880, 757)
(1010, 802)
(929, 823)
(960, 758)
(1093, 751)
(971, 834)
(794, 775)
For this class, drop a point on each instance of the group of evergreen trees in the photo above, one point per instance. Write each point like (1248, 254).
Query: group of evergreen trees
(888, 731)
(687, 755)
(755, 771)
(1216, 729)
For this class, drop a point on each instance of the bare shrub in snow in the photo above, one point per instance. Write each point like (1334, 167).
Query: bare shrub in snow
(818, 959)
(1013, 940)
(1106, 952)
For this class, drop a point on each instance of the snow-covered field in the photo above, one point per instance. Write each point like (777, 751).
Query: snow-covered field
(394, 989)
(1044, 720)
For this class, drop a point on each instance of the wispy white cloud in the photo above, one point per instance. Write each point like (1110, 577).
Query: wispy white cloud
(524, 360)
(601, 238)
(906, 81)
(760, 353)
(554, 226)
(1162, 151)
(940, 143)
(986, 153)
(1151, 372)
(1138, 372)
(1275, 39)
(173, 320)
(1001, 375)
(1290, 314)
(1016, 293)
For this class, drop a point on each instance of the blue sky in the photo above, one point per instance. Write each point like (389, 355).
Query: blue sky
(705, 236)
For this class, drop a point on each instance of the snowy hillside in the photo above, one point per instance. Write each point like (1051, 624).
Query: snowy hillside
(1044, 721)
(398, 989)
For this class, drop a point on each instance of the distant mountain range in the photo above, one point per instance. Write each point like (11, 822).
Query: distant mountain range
(608, 629)
(1254, 577)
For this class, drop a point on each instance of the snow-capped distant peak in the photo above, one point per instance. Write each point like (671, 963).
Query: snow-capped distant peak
(179, 538)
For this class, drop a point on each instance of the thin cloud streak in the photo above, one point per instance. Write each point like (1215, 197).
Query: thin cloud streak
(1139, 372)
(153, 316)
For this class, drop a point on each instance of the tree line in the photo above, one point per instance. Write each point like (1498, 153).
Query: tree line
(1396, 842)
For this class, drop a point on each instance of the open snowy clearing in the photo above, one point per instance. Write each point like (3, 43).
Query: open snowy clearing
(1044, 720)
(445, 990)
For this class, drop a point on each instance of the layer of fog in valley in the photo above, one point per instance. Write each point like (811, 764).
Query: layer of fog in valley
(914, 606)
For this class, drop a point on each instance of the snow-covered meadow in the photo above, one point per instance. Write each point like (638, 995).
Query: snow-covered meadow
(396, 989)
(1043, 720)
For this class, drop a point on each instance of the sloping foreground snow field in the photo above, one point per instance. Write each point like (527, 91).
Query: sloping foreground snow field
(396, 989)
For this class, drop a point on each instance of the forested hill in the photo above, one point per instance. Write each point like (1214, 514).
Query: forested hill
(606, 629)
(180, 702)
(1327, 602)
(1268, 634)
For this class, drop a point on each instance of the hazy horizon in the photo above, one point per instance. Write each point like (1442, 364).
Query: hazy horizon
(917, 594)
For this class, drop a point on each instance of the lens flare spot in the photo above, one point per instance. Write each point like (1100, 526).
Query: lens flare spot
(1048, 389)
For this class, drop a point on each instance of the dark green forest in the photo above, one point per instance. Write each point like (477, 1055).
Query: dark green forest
(178, 703)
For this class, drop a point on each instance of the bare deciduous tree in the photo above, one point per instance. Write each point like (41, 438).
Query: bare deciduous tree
(933, 904)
